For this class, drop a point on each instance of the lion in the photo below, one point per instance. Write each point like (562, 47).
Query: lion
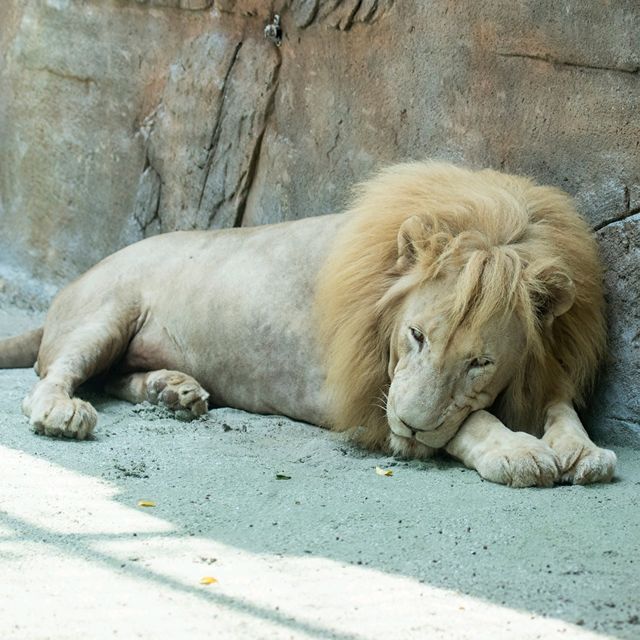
(447, 309)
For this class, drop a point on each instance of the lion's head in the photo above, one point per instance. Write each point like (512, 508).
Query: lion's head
(450, 291)
(436, 378)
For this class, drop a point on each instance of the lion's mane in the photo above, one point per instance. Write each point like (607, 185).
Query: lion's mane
(512, 243)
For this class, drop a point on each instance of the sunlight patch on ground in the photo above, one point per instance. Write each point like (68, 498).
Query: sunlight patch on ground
(44, 494)
(76, 563)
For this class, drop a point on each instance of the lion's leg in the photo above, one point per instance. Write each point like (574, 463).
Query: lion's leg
(68, 357)
(498, 454)
(581, 461)
(172, 389)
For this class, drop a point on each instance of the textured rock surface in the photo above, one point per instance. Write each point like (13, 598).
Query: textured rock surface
(124, 118)
(616, 407)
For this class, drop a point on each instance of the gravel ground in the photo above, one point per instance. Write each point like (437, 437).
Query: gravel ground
(302, 537)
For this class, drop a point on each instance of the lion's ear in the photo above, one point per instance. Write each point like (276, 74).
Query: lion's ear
(412, 233)
(553, 293)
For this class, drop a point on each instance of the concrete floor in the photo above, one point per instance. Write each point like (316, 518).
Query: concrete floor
(334, 551)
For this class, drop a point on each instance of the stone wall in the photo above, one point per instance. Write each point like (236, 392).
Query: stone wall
(124, 118)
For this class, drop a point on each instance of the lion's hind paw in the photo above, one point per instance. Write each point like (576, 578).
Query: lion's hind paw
(176, 391)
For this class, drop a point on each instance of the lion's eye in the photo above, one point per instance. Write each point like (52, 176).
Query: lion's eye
(417, 335)
(479, 363)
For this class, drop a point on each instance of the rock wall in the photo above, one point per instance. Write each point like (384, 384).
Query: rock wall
(124, 118)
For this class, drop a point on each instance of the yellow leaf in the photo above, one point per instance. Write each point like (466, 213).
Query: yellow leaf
(146, 503)
(208, 580)
(384, 472)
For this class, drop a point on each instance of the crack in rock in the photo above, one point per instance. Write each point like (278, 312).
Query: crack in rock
(344, 14)
(257, 149)
(339, 14)
(633, 69)
(215, 135)
(620, 217)
(66, 75)
(240, 128)
(147, 202)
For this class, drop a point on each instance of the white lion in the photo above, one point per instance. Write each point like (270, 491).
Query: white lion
(443, 305)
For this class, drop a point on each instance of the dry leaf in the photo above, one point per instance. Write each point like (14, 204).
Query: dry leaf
(208, 580)
(384, 472)
(146, 503)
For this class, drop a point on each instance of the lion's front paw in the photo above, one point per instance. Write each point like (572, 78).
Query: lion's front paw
(176, 391)
(582, 462)
(520, 461)
(61, 416)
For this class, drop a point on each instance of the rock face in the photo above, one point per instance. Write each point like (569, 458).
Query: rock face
(616, 406)
(124, 118)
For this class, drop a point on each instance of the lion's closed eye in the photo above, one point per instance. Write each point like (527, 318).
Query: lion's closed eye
(480, 363)
(417, 335)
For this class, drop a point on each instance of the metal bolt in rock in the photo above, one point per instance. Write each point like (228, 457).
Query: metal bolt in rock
(273, 31)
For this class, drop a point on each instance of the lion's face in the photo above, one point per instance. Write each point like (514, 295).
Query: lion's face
(434, 385)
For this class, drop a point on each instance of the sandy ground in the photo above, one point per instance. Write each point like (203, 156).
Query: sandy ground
(330, 550)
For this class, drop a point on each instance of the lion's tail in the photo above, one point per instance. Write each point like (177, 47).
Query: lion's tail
(21, 351)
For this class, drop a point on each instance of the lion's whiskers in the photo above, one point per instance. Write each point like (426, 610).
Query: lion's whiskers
(381, 402)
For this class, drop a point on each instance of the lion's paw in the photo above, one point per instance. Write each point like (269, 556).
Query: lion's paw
(521, 461)
(60, 415)
(176, 390)
(582, 462)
